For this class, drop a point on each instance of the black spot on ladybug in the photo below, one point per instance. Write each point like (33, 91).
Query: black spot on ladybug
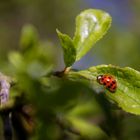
(113, 82)
(109, 77)
(104, 83)
(108, 86)
(102, 78)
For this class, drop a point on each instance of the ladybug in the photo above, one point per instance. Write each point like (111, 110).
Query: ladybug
(108, 81)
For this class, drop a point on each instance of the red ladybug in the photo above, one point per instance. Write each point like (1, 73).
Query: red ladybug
(108, 81)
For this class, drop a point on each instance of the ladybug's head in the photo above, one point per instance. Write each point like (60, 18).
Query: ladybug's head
(99, 78)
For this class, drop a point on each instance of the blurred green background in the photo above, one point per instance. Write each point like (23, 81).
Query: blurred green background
(121, 45)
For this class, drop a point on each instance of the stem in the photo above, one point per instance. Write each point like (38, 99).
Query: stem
(66, 70)
(62, 73)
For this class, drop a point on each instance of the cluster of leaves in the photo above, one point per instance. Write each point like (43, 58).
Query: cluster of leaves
(91, 25)
(70, 104)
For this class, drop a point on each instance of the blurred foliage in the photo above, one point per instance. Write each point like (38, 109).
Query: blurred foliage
(14, 14)
(61, 108)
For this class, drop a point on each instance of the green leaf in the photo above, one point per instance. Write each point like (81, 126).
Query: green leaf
(69, 50)
(91, 25)
(29, 37)
(127, 95)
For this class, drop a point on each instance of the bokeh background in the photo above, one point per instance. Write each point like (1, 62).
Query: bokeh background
(121, 45)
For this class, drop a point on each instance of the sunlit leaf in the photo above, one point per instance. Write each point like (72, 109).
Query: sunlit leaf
(91, 25)
(127, 95)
